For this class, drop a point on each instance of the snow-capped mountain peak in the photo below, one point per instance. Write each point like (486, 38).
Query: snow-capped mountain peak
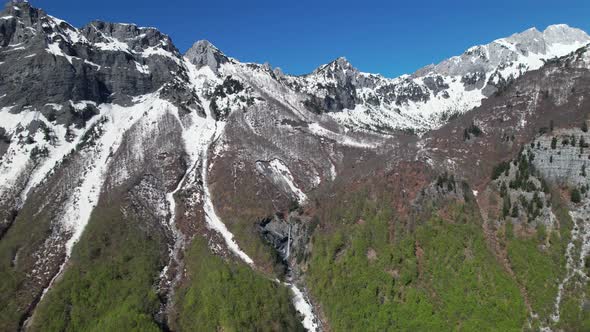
(111, 120)
(425, 99)
(340, 72)
(563, 33)
(528, 47)
(339, 64)
(419, 102)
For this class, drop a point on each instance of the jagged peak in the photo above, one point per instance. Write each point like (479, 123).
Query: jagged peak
(22, 8)
(27, 15)
(342, 61)
(204, 44)
(553, 34)
(555, 40)
(17, 6)
(204, 53)
(17, 2)
(336, 65)
(564, 34)
(560, 26)
(278, 72)
(112, 27)
(137, 38)
(532, 30)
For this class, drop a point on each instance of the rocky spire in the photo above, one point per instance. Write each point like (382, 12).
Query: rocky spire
(339, 70)
(340, 64)
(15, 5)
(203, 53)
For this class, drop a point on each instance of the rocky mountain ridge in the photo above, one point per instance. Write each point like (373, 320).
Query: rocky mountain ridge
(109, 136)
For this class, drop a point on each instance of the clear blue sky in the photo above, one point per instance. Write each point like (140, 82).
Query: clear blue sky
(387, 37)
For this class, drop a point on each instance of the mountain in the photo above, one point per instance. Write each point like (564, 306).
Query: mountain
(142, 188)
(426, 99)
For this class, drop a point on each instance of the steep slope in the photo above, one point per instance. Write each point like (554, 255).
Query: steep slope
(104, 144)
(138, 184)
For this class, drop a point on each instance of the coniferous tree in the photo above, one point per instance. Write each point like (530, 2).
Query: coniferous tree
(506, 206)
(575, 195)
(514, 213)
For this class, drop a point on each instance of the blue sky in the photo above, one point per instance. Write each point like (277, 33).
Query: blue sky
(387, 37)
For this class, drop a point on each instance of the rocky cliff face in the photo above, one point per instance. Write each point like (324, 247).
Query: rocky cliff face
(562, 156)
(110, 137)
(101, 62)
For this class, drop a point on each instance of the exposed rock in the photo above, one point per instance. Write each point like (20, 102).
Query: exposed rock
(566, 163)
(203, 53)
(289, 234)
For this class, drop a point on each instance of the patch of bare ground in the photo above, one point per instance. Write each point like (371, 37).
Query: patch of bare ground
(371, 255)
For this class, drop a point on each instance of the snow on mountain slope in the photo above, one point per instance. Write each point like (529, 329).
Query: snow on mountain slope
(36, 147)
(111, 85)
(198, 139)
(282, 177)
(107, 132)
(226, 88)
(419, 102)
(427, 98)
(39, 146)
(310, 321)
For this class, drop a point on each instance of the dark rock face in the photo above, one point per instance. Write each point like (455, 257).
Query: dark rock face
(101, 62)
(288, 233)
(336, 99)
(473, 80)
(137, 38)
(339, 70)
(336, 87)
(436, 84)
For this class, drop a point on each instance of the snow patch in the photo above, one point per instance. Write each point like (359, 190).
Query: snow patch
(303, 306)
(156, 50)
(81, 104)
(54, 49)
(142, 68)
(16, 160)
(345, 140)
(215, 222)
(113, 45)
(113, 121)
(198, 138)
(281, 170)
